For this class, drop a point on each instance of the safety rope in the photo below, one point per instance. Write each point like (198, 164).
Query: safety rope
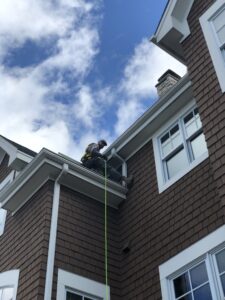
(106, 235)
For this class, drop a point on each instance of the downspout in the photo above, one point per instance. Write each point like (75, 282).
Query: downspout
(52, 236)
(124, 164)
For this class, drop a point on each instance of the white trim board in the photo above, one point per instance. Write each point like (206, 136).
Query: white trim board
(10, 279)
(194, 251)
(211, 41)
(67, 280)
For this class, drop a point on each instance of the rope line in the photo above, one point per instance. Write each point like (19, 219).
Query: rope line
(106, 234)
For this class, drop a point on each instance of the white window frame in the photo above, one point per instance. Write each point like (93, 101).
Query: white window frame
(204, 249)
(75, 283)
(10, 279)
(162, 183)
(212, 41)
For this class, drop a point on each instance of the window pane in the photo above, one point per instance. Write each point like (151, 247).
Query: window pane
(171, 140)
(72, 296)
(198, 275)
(192, 122)
(198, 146)
(223, 283)
(220, 257)
(203, 293)
(221, 35)
(219, 21)
(7, 294)
(177, 163)
(181, 285)
(186, 297)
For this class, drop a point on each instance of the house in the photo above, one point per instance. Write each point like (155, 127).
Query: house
(166, 235)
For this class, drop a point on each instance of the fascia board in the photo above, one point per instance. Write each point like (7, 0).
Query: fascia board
(165, 21)
(47, 165)
(8, 148)
(16, 157)
(174, 21)
(152, 113)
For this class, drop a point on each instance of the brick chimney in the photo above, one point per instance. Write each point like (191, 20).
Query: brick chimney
(166, 81)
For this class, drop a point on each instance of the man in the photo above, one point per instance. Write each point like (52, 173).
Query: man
(93, 159)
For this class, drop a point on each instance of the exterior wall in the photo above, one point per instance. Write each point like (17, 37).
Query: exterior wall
(158, 226)
(24, 244)
(80, 240)
(210, 100)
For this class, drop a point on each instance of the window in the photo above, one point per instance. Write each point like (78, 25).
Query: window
(8, 285)
(74, 287)
(179, 147)
(198, 272)
(213, 26)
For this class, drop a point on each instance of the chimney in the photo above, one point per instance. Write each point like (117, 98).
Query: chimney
(166, 81)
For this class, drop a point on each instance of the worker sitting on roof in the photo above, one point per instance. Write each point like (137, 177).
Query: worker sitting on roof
(93, 159)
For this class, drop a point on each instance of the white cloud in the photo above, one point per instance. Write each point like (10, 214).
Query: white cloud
(31, 113)
(144, 68)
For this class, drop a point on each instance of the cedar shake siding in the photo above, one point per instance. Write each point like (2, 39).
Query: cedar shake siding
(80, 240)
(24, 244)
(207, 92)
(158, 226)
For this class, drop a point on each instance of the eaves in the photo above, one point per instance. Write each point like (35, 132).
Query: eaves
(137, 135)
(46, 166)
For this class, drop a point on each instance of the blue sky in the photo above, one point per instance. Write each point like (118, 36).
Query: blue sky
(75, 71)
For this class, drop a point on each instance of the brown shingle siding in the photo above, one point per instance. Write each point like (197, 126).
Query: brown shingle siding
(80, 240)
(24, 244)
(159, 226)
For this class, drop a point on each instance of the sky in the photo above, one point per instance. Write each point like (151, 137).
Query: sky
(76, 71)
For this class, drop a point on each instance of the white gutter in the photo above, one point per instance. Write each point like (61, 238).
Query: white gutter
(52, 236)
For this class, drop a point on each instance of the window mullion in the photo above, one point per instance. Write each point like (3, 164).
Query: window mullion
(184, 138)
(213, 282)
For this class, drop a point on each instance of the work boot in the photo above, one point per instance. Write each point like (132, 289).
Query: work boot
(128, 180)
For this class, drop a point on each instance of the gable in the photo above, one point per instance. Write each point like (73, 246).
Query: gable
(173, 28)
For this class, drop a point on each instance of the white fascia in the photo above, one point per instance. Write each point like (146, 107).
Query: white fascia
(17, 159)
(173, 28)
(175, 17)
(211, 41)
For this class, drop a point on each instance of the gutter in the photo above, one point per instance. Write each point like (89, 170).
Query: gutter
(53, 233)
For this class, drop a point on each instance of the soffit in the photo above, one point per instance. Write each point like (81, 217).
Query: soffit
(47, 166)
(173, 28)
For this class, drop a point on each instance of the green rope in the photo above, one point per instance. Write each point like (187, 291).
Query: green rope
(106, 237)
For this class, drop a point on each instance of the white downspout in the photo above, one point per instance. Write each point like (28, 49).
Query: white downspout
(124, 164)
(52, 236)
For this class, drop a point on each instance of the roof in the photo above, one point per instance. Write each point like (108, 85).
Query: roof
(20, 147)
(142, 131)
(173, 28)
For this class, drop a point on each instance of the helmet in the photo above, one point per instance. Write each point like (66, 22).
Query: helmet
(103, 142)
